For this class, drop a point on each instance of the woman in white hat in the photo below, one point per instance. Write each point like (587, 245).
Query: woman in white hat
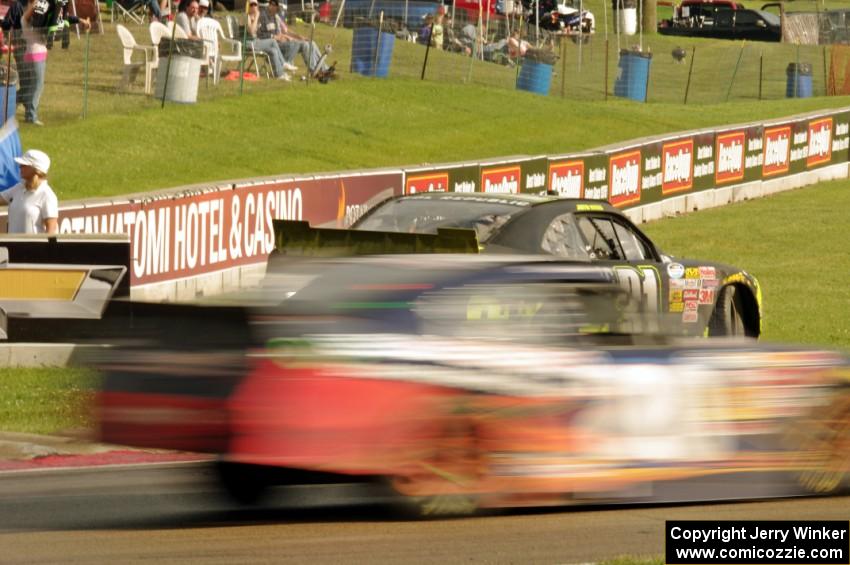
(33, 206)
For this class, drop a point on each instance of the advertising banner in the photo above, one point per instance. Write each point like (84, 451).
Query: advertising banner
(840, 137)
(567, 176)
(596, 177)
(189, 235)
(739, 155)
(534, 175)
(625, 172)
(448, 178)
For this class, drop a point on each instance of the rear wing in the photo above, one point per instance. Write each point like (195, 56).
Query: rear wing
(298, 239)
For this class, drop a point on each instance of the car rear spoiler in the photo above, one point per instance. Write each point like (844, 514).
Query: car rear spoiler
(298, 239)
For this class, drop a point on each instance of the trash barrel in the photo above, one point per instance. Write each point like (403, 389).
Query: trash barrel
(182, 74)
(367, 49)
(534, 77)
(799, 80)
(632, 75)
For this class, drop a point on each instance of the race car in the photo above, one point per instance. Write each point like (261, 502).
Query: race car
(459, 382)
(691, 297)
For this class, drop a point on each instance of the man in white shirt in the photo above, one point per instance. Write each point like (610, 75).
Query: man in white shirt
(33, 206)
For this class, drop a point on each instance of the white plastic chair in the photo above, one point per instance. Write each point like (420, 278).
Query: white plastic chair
(208, 30)
(129, 44)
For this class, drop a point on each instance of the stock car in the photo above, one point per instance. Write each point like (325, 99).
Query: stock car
(457, 382)
(692, 297)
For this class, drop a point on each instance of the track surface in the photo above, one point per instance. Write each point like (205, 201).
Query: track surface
(172, 514)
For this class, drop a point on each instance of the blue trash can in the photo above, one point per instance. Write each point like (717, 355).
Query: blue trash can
(799, 81)
(632, 75)
(534, 77)
(363, 50)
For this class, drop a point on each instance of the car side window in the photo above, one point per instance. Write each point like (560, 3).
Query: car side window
(747, 19)
(600, 238)
(633, 246)
(561, 239)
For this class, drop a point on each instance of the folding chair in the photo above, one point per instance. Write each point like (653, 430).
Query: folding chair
(255, 57)
(129, 10)
(131, 69)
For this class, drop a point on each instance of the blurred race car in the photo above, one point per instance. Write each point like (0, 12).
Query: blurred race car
(692, 297)
(461, 382)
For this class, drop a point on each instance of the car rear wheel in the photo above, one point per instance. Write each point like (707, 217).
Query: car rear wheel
(823, 444)
(727, 320)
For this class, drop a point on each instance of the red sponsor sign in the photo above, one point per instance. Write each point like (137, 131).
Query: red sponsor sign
(777, 151)
(624, 172)
(730, 157)
(432, 182)
(677, 166)
(820, 142)
(690, 294)
(502, 179)
(186, 235)
(567, 178)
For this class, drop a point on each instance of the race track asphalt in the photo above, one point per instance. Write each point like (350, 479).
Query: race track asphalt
(172, 513)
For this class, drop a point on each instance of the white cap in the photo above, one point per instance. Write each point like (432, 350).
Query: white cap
(204, 3)
(36, 159)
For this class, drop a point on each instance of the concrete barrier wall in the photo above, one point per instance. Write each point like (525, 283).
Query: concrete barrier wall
(206, 239)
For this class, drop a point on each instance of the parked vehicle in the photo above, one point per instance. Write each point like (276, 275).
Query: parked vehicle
(722, 19)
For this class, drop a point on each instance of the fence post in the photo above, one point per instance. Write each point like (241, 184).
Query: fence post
(378, 43)
(761, 71)
(690, 72)
(797, 70)
(8, 73)
(735, 72)
(825, 87)
(605, 78)
(563, 66)
(85, 76)
(427, 49)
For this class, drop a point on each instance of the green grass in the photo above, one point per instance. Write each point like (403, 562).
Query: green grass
(791, 243)
(45, 400)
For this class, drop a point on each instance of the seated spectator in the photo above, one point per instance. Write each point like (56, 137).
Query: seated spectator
(266, 45)
(272, 25)
(204, 9)
(516, 46)
(424, 36)
(437, 32)
(187, 18)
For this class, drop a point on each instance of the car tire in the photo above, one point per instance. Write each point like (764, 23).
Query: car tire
(727, 320)
(821, 442)
(243, 483)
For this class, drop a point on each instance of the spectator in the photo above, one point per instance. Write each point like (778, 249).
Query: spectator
(204, 9)
(33, 206)
(424, 36)
(267, 45)
(61, 20)
(187, 18)
(517, 46)
(291, 43)
(437, 32)
(15, 40)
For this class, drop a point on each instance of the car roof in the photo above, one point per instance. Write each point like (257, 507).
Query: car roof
(576, 204)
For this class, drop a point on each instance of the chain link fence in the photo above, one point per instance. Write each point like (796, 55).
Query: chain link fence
(116, 68)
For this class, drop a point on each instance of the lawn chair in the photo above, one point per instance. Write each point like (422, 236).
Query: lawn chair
(209, 30)
(131, 69)
(129, 10)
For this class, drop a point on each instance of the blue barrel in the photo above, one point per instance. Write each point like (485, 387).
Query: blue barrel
(633, 75)
(534, 77)
(799, 81)
(363, 47)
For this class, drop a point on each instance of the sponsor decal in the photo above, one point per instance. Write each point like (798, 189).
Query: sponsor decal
(706, 296)
(677, 307)
(691, 294)
(693, 283)
(567, 178)
(692, 273)
(707, 272)
(675, 270)
(625, 178)
(690, 317)
(589, 208)
(432, 182)
(676, 296)
(677, 164)
(777, 151)
(710, 283)
(503, 179)
(691, 306)
(677, 283)
(187, 235)
(820, 142)
(730, 157)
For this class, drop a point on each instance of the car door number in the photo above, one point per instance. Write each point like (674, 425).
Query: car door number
(643, 285)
